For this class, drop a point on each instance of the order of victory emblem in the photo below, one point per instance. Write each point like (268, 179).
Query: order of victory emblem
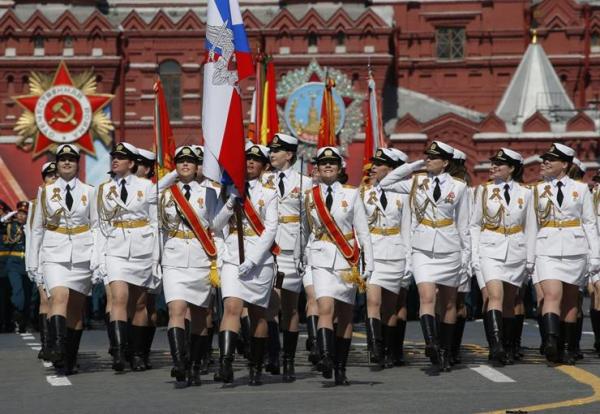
(61, 110)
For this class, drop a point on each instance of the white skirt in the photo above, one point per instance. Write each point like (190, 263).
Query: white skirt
(465, 283)
(292, 281)
(254, 288)
(187, 283)
(567, 269)
(134, 270)
(389, 275)
(328, 283)
(73, 276)
(440, 268)
(307, 278)
(495, 269)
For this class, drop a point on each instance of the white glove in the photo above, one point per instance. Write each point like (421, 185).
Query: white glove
(367, 274)
(7, 217)
(31, 275)
(408, 269)
(97, 278)
(230, 201)
(475, 266)
(417, 165)
(156, 274)
(245, 267)
(300, 266)
(594, 266)
(529, 268)
(101, 269)
(39, 277)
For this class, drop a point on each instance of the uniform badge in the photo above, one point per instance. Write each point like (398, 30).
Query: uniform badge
(495, 194)
(575, 195)
(547, 192)
(424, 185)
(201, 202)
(56, 195)
(112, 192)
(345, 205)
(450, 198)
(295, 192)
(399, 204)
(261, 203)
(372, 197)
(520, 202)
(140, 194)
(84, 200)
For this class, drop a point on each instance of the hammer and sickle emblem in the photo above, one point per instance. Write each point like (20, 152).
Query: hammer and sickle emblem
(60, 113)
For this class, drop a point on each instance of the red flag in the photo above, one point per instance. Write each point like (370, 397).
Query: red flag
(328, 117)
(373, 127)
(270, 124)
(164, 140)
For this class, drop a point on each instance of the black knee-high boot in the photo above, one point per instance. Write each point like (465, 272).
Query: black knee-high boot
(399, 343)
(579, 333)
(486, 329)
(508, 339)
(311, 342)
(551, 324)
(459, 330)
(570, 355)
(243, 341)
(542, 329)
(494, 324)
(119, 349)
(389, 344)
(199, 343)
(207, 356)
(59, 348)
(290, 342)
(376, 338)
(149, 332)
(325, 344)
(446, 341)
(342, 349)
(255, 366)
(432, 345)
(274, 346)
(178, 347)
(595, 319)
(518, 333)
(44, 335)
(138, 347)
(227, 341)
(73, 341)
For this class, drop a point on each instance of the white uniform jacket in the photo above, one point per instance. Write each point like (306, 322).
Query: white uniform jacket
(181, 248)
(440, 226)
(503, 231)
(61, 235)
(348, 211)
(568, 229)
(390, 227)
(129, 229)
(289, 206)
(256, 248)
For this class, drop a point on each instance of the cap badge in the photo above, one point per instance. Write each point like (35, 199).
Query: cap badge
(433, 145)
(254, 150)
(328, 153)
(120, 147)
(500, 153)
(66, 149)
(186, 151)
(552, 148)
(379, 153)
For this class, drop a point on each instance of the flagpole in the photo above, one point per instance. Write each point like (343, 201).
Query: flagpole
(240, 229)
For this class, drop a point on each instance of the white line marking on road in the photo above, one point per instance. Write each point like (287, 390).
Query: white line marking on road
(587, 333)
(34, 344)
(25, 334)
(58, 380)
(47, 364)
(491, 374)
(36, 348)
(28, 337)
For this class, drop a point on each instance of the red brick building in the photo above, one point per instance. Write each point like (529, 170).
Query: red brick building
(442, 67)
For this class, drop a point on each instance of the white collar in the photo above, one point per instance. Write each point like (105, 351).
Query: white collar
(252, 183)
(63, 184)
(501, 183)
(564, 181)
(335, 186)
(442, 177)
(287, 172)
(193, 184)
(128, 178)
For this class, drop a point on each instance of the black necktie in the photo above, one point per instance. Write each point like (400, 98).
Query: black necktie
(281, 184)
(123, 191)
(437, 191)
(560, 196)
(69, 198)
(187, 192)
(329, 198)
(383, 200)
(247, 190)
(507, 193)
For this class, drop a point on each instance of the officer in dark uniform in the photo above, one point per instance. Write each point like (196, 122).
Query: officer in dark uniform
(6, 324)
(21, 286)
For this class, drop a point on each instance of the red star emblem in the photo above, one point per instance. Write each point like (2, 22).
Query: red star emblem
(63, 113)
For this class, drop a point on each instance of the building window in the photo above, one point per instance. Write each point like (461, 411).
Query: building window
(595, 42)
(170, 76)
(68, 41)
(38, 42)
(450, 43)
(312, 39)
(340, 38)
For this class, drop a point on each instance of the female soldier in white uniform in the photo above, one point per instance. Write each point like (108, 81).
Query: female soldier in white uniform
(335, 215)
(389, 221)
(63, 231)
(129, 257)
(567, 234)
(187, 262)
(48, 176)
(250, 282)
(290, 186)
(440, 243)
(503, 229)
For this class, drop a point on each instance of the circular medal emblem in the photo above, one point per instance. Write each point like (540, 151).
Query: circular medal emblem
(63, 114)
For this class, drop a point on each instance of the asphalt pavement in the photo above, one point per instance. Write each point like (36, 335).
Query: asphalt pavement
(28, 386)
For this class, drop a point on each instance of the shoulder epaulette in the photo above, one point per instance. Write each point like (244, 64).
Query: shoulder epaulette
(348, 186)
(421, 173)
(215, 184)
(459, 180)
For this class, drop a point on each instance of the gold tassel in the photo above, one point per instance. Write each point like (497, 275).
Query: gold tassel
(213, 275)
(353, 276)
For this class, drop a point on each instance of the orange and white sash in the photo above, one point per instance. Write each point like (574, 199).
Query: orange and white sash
(257, 224)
